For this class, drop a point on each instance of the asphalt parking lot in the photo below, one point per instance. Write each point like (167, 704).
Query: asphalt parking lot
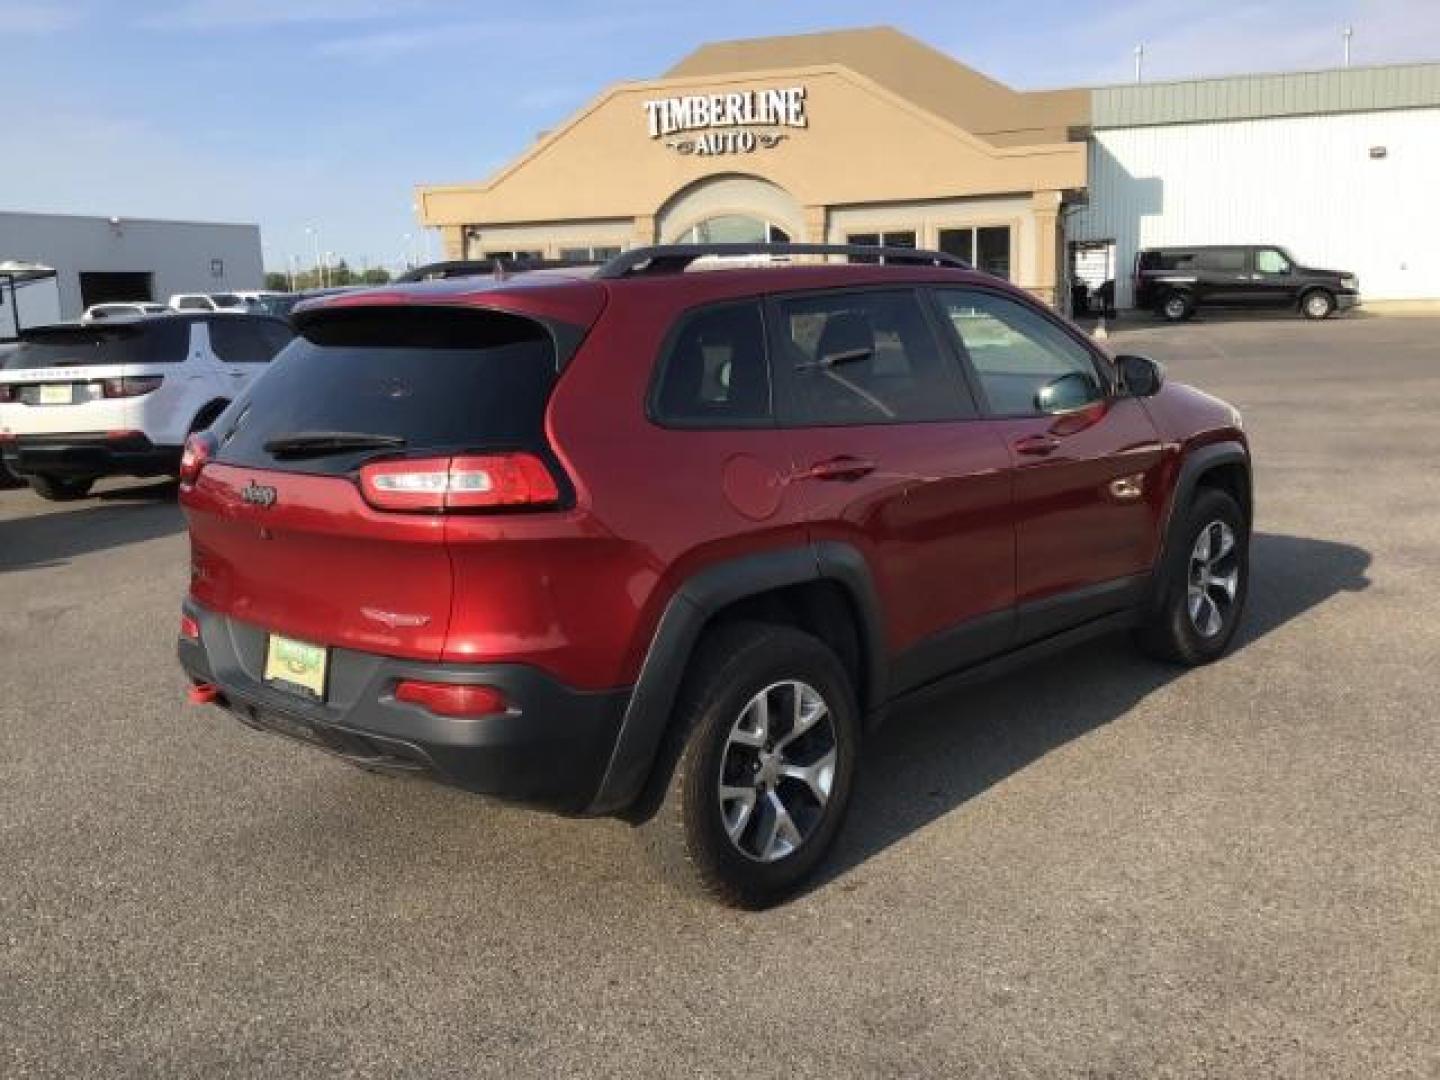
(1101, 867)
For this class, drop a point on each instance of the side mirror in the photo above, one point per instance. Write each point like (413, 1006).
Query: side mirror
(1139, 375)
(1073, 390)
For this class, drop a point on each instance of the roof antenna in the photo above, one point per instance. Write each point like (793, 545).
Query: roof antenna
(1139, 62)
(1347, 34)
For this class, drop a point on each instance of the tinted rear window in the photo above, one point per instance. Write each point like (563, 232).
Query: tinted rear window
(441, 380)
(1167, 260)
(159, 342)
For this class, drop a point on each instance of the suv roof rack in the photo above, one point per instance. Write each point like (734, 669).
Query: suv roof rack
(453, 268)
(674, 258)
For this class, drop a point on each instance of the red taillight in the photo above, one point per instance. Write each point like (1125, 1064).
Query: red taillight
(471, 482)
(204, 694)
(451, 699)
(189, 628)
(199, 448)
(131, 385)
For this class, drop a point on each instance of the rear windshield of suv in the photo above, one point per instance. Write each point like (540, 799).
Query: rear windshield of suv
(443, 381)
(163, 341)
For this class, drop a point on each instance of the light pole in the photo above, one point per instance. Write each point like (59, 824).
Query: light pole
(314, 235)
(1139, 62)
(1348, 34)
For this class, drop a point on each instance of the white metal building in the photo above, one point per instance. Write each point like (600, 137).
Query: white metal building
(1341, 167)
(98, 259)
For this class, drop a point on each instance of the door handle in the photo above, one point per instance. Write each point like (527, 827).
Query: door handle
(838, 468)
(1037, 445)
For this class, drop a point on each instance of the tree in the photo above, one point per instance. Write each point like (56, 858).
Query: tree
(337, 274)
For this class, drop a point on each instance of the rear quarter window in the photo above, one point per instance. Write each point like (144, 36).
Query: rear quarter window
(246, 341)
(714, 372)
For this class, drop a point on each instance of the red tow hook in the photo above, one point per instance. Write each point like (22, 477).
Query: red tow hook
(204, 694)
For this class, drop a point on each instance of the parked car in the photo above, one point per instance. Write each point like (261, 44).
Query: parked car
(228, 302)
(664, 545)
(272, 303)
(137, 310)
(78, 402)
(1176, 281)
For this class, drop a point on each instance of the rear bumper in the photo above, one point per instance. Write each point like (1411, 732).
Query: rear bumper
(89, 454)
(549, 750)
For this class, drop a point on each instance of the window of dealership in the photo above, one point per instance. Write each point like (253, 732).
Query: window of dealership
(863, 137)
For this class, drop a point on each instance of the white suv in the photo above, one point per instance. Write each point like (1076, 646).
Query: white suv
(221, 301)
(123, 310)
(118, 399)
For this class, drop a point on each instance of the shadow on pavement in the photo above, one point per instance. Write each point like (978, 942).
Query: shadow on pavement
(111, 519)
(1131, 319)
(927, 760)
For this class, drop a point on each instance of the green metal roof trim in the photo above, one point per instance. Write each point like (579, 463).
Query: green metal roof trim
(1249, 97)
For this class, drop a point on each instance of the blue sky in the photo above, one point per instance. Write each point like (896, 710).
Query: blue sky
(328, 112)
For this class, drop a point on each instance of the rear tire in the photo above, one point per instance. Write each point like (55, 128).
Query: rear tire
(1317, 304)
(61, 489)
(759, 791)
(1177, 307)
(1203, 584)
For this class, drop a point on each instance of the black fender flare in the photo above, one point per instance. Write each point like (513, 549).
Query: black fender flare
(648, 715)
(1200, 461)
(1196, 464)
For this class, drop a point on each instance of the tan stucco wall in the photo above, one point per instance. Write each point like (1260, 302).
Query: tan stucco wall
(862, 144)
(548, 237)
(918, 73)
(929, 217)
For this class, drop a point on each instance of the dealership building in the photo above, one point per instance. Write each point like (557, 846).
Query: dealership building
(91, 260)
(869, 136)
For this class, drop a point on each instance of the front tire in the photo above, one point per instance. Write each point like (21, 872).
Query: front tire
(1317, 304)
(1203, 584)
(770, 733)
(61, 489)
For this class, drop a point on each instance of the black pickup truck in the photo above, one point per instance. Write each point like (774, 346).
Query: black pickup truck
(1175, 281)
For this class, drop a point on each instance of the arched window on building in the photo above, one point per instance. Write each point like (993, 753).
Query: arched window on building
(735, 229)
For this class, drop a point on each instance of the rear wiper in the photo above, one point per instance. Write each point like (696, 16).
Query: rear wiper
(317, 443)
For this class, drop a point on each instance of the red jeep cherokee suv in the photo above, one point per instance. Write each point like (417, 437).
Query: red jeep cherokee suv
(664, 544)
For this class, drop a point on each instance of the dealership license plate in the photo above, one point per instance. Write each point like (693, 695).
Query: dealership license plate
(296, 666)
(56, 394)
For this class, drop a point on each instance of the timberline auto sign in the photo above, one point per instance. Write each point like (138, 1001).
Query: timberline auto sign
(735, 123)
